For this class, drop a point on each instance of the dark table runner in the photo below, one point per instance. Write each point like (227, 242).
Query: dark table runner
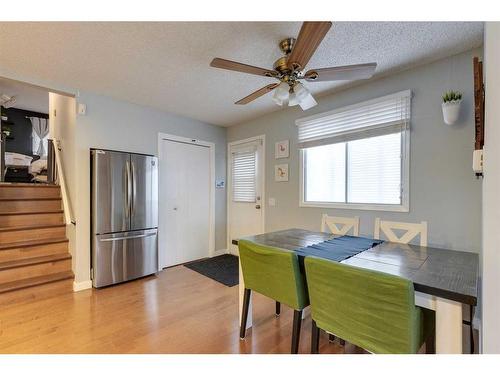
(339, 248)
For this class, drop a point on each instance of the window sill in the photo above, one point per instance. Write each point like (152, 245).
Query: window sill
(357, 206)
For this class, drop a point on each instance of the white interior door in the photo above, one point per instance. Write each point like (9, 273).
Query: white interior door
(246, 186)
(184, 202)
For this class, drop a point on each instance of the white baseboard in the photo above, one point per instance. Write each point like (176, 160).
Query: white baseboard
(82, 285)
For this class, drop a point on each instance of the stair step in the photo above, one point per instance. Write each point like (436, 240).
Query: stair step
(17, 191)
(27, 233)
(23, 218)
(32, 261)
(36, 249)
(35, 281)
(17, 228)
(32, 243)
(47, 289)
(31, 205)
(17, 271)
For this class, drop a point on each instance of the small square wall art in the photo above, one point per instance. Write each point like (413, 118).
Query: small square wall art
(281, 172)
(282, 149)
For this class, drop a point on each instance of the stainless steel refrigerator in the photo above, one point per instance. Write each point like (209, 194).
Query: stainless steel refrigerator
(124, 216)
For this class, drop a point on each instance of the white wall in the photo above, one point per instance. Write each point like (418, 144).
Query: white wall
(118, 125)
(443, 189)
(490, 257)
(62, 126)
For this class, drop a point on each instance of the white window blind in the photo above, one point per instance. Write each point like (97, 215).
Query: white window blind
(385, 115)
(325, 173)
(374, 170)
(244, 176)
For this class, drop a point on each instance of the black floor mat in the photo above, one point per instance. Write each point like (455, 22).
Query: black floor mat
(222, 268)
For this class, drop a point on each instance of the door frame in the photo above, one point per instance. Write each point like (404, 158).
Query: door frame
(229, 184)
(211, 146)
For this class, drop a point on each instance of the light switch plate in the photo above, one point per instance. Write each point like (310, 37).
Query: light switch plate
(272, 202)
(82, 109)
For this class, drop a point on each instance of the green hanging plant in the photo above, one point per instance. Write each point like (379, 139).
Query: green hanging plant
(452, 96)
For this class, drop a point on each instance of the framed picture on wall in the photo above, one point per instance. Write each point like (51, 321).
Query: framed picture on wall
(282, 149)
(281, 172)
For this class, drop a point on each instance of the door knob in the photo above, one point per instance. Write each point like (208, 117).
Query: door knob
(175, 208)
(257, 206)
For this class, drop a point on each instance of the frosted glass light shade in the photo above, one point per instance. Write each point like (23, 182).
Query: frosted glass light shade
(307, 102)
(293, 100)
(300, 91)
(281, 93)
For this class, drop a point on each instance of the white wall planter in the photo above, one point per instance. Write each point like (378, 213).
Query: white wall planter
(451, 111)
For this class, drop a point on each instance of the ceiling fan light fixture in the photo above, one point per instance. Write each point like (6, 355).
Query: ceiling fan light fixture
(293, 101)
(278, 101)
(300, 91)
(307, 102)
(281, 93)
(302, 96)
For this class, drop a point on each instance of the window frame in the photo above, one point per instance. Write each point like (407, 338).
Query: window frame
(404, 206)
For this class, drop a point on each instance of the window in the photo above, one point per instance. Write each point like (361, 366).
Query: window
(244, 176)
(40, 134)
(42, 152)
(357, 157)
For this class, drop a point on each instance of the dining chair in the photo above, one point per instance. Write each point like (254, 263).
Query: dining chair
(370, 309)
(340, 225)
(411, 230)
(332, 223)
(275, 273)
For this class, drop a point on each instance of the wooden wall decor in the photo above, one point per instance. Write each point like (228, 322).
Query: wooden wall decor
(478, 103)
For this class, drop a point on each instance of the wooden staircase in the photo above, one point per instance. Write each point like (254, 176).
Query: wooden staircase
(34, 258)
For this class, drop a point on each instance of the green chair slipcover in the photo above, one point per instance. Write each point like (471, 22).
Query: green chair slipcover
(373, 310)
(274, 273)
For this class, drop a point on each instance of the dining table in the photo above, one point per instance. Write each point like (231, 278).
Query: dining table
(444, 280)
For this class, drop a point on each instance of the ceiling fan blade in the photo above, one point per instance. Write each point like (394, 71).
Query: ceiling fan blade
(257, 94)
(341, 73)
(240, 67)
(310, 36)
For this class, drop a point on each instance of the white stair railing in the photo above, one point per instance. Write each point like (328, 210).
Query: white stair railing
(61, 180)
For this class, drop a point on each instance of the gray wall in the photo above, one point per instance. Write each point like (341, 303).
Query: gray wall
(443, 189)
(119, 125)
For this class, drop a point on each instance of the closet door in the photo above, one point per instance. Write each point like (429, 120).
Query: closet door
(184, 202)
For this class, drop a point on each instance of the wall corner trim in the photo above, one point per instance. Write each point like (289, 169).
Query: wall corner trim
(82, 285)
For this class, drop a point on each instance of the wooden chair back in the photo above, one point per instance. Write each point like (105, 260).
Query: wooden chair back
(340, 225)
(412, 231)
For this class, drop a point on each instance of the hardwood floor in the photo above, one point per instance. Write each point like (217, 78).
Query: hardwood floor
(178, 311)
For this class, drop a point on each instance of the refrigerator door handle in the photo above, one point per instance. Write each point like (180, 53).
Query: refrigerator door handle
(129, 187)
(134, 188)
(128, 237)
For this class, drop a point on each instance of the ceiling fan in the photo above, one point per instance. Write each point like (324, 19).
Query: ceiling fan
(289, 69)
(7, 101)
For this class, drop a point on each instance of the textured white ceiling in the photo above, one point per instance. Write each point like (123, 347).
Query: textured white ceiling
(28, 97)
(166, 65)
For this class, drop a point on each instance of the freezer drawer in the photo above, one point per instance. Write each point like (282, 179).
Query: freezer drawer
(124, 256)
